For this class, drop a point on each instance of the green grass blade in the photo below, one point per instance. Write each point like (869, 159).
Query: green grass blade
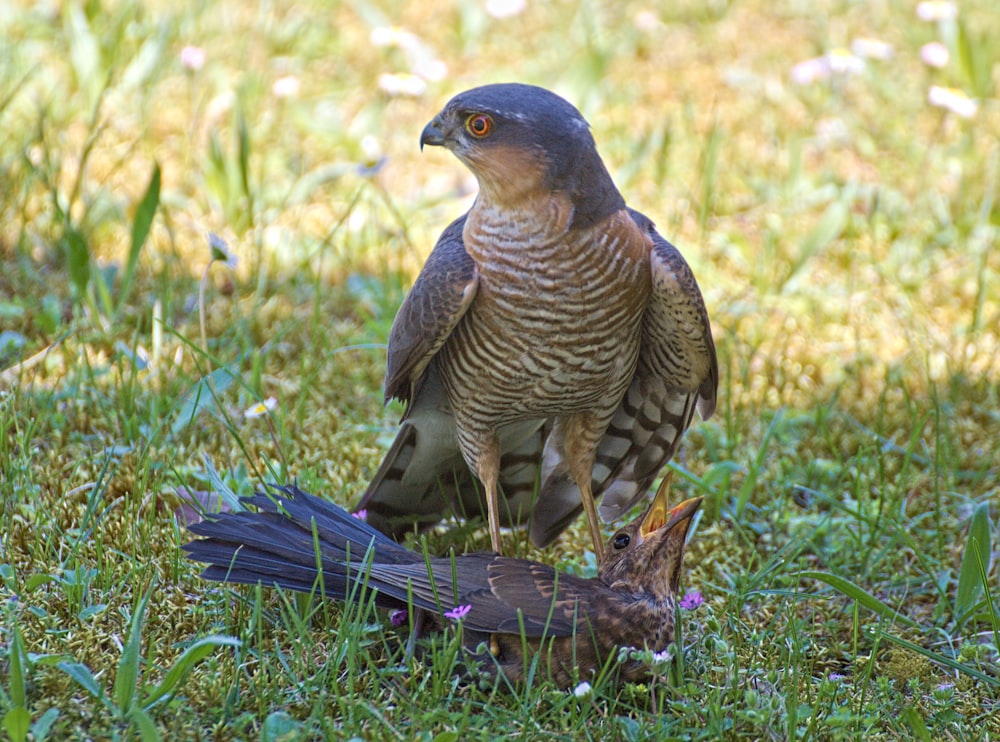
(84, 51)
(16, 723)
(917, 725)
(977, 550)
(975, 61)
(83, 677)
(141, 224)
(863, 597)
(128, 666)
(144, 723)
(184, 664)
(15, 664)
(746, 489)
(40, 729)
(200, 395)
(77, 259)
(830, 226)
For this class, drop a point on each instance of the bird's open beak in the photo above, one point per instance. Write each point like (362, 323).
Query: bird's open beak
(433, 134)
(660, 514)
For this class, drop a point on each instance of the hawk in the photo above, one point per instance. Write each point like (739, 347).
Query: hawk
(553, 349)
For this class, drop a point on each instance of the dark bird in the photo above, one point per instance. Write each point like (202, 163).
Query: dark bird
(300, 542)
(554, 345)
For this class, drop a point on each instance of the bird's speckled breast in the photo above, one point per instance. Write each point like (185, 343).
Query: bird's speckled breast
(554, 327)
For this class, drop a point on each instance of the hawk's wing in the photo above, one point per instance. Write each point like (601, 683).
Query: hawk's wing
(442, 293)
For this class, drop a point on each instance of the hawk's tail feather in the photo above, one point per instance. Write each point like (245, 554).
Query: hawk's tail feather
(641, 438)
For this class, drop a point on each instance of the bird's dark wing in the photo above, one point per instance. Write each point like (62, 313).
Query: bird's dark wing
(505, 594)
(676, 374)
(440, 296)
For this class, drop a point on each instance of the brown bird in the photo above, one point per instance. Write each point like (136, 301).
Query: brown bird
(554, 344)
(574, 625)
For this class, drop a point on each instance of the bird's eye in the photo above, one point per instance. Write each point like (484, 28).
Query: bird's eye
(479, 125)
(621, 540)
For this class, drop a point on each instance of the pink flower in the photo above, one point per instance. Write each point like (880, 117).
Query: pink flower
(664, 656)
(691, 600)
(935, 54)
(193, 58)
(810, 71)
(458, 612)
(361, 515)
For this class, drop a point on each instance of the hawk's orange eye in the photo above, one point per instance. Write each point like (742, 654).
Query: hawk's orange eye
(479, 125)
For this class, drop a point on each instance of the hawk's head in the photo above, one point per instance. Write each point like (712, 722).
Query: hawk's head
(522, 141)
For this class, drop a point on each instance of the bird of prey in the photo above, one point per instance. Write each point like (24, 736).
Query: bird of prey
(554, 347)
(516, 608)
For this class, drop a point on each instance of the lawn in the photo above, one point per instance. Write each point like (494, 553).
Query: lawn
(830, 170)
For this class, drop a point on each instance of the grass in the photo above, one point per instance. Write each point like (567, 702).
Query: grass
(844, 232)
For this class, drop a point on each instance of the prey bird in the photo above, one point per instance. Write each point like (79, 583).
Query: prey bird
(511, 609)
(554, 347)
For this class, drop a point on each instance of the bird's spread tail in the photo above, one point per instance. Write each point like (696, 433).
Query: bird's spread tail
(291, 540)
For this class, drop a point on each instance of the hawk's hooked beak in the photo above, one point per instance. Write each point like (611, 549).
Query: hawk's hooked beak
(660, 515)
(433, 134)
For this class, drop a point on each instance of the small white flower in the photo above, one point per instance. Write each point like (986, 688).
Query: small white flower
(286, 87)
(842, 62)
(582, 690)
(954, 100)
(193, 58)
(371, 148)
(394, 36)
(505, 8)
(646, 21)
(937, 10)
(261, 408)
(935, 54)
(868, 48)
(402, 84)
(219, 250)
(432, 70)
(834, 62)
(831, 132)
